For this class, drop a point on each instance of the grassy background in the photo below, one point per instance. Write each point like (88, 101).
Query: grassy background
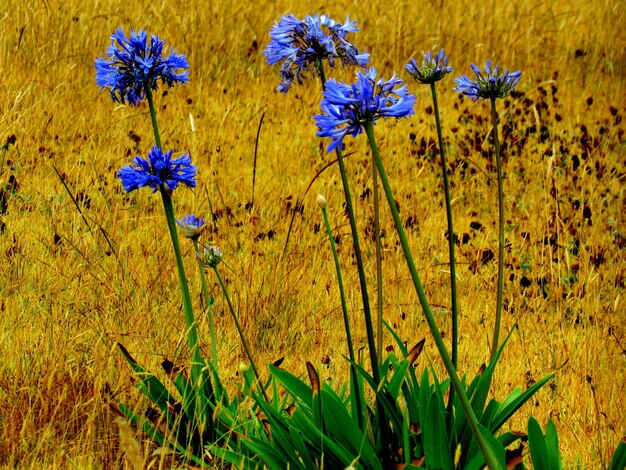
(66, 295)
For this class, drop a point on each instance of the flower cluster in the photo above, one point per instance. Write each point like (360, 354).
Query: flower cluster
(488, 84)
(433, 68)
(159, 170)
(191, 226)
(346, 108)
(132, 64)
(299, 44)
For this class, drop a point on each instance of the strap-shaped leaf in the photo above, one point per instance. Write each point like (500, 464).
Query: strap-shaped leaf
(513, 403)
(435, 436)
(618, 461)
(537, 446)
(296, 387)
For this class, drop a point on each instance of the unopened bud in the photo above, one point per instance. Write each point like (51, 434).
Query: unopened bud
(321, 201)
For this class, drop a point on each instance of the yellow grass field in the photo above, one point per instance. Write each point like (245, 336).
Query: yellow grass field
(68, 293)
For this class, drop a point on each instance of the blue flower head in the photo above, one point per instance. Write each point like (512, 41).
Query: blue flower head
(433, 68)
(488, 84)
(346, 108)
(298, 44)
(131, 64)
(191, 226)
(159, 169)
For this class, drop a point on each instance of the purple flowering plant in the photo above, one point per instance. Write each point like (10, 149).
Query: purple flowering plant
(300, 45)
(347, 108)
(131, 70)
(488, 83)
(159, 170)
(132, 64)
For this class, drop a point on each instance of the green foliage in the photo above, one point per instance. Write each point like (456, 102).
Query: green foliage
(619, 457)
(314, 426)
(544, 449)
(179, 421)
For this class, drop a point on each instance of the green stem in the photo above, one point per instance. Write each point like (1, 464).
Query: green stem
(192, 334)
(320, 68)
(246, 346)
(357, 253)
(379, 266)
(496, 329)
(380, 411)
(486, 450)
(208, 302)
(155, 126)
(453, 292)
(199, 376)
(344, 308)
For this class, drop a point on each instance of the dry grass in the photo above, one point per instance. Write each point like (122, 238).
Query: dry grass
(66, 296)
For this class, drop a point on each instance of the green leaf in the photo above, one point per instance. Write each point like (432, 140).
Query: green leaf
(514, 402)
(496, 448)
(152, 387)
(537, 446)
(344, 429)
(434, 432)
(301, 447)
(552, 443)
(619, 457)
(268, 454)
(331, 449)
(399, 375)
(296, 387)
(156, 435)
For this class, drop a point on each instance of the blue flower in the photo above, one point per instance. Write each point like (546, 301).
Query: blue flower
(432, 69)
(488, 84)
(131, 64)
(346, 108)
(191, 226)
(158, 170)
(298, 44)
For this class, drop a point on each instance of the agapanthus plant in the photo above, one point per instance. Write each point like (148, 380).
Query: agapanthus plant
(134, 64)
(159, 170)
(347, 108)
(354, 109)
(300, 44)
(432, 69)
(131, 70)
(488, 83)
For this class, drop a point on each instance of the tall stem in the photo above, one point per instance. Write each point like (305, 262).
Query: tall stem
(486, 450)
(380, 411)
(358, 255)
(379, 267)
(199, 376)
(246, 346)
(496, 329)
(155, 126)
(208, 301)
(356, 392)
(453, 292)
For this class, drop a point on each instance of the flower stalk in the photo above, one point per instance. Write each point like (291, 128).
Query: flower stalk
(451, 240)
(500, 292)
(356, 393)
(486, 449)
(208, 302)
